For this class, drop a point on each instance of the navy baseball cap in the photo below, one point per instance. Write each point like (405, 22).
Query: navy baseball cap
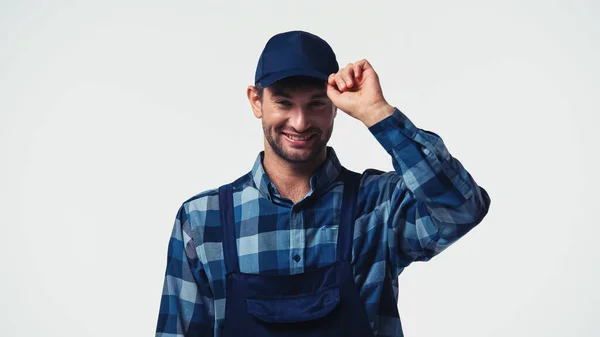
(295, 53)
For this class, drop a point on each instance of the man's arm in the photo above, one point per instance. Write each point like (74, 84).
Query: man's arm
(187, 306)
(430, 201)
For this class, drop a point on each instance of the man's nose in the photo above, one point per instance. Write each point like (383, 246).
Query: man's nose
(299, 120)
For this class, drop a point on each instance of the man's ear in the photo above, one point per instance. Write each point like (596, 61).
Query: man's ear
(254, 100)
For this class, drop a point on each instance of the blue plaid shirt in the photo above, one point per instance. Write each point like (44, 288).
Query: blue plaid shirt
(411, 214)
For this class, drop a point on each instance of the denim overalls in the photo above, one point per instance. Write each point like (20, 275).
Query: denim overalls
(322, 302)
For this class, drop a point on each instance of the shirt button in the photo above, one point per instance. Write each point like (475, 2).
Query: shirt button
(297, 258)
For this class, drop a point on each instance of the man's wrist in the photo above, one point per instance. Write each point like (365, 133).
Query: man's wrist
(378, 113)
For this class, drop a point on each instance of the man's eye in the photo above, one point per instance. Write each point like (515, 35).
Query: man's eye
(284, 103)
(317, 103)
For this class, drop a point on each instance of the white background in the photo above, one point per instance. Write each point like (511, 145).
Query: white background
(112, 113)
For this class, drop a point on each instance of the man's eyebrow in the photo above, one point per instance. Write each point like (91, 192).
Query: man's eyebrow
(322, 94)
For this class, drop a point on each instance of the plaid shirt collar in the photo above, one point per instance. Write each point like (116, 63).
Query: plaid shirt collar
(323, 177)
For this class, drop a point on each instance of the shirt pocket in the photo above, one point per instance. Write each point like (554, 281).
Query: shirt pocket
(322, 235)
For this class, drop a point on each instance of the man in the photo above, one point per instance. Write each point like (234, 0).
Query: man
(301, 246)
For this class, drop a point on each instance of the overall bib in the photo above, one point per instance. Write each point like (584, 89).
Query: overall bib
(323, 302)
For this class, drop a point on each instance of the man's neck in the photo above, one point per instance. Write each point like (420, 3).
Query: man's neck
(291, 179)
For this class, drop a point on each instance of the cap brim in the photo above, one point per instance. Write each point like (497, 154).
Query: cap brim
(279, 75)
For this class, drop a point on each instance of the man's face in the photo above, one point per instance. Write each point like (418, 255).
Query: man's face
(297, 123)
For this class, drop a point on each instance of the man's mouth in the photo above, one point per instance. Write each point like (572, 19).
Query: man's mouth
(297, 137)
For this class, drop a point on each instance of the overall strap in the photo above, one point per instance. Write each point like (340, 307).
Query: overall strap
(351, 182)
(228, 224)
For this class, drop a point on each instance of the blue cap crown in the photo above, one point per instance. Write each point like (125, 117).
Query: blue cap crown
(295, 53)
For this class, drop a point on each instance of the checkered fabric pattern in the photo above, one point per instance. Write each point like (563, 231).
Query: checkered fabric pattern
(411, 214)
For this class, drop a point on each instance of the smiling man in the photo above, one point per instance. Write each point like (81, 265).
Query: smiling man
(297, 118)
(300, 245)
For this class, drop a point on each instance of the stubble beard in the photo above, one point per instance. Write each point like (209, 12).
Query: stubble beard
(275, 140)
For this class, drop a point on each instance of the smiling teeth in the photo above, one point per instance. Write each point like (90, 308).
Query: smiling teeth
(292, 137)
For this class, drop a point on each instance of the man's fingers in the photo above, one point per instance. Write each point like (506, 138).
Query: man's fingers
(337, 81)
(364, 64)
(345, 78)
(357, 71)
(341, 83)
(349, 76)
(331, 79)
(332, 91)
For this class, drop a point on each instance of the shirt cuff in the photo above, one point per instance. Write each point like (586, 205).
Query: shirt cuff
(393, 130)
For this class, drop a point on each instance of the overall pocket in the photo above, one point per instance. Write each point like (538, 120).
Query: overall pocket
(294, 309)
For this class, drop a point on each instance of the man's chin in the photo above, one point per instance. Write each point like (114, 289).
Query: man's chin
(300, 159)
(302, 156)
